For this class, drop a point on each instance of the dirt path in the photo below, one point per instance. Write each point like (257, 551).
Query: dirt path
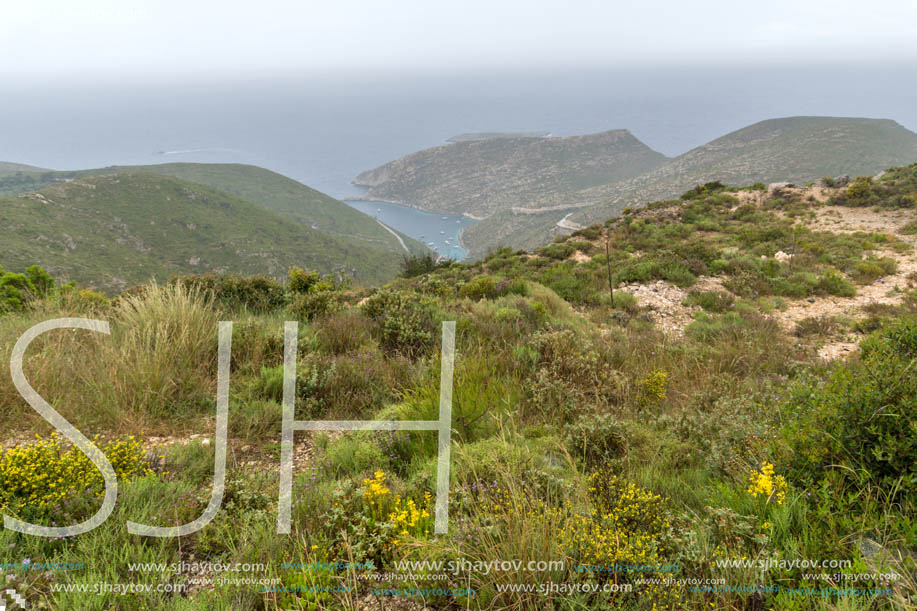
(665, 301)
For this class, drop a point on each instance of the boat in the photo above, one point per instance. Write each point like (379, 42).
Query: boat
(443, 232)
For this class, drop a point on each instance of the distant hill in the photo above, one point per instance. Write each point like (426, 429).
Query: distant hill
(795, 149)
(112, 231)
(7, 167)
(488, 135)
(483, 177)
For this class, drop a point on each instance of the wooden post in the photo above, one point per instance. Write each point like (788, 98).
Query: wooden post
(793, 256)
(611, 292)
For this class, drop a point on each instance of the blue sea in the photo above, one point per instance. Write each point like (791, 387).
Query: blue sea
(324, 130)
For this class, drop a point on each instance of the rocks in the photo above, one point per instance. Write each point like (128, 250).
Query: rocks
(775, 188)
(782, 256)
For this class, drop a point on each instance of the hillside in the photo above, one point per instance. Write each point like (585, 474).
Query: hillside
(742, 395)
(117, 230)
(270, 190)
(7, 167)
(795, 149)
(482, 177)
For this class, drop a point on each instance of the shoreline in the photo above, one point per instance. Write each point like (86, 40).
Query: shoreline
(367, 198)
(461, 244)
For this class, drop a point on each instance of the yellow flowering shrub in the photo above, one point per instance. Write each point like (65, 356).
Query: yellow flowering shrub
(375, 520)
(411, 519)
(42, 473)
(375, 487)
(766, 483)
(654, 387)
(627, 525)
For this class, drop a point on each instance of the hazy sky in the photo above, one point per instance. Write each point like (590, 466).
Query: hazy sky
(174, 36)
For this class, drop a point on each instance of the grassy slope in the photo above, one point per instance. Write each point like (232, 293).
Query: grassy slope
(117, 230)
(550, 387)
(283, 195)
(797, 149)
(273, 191)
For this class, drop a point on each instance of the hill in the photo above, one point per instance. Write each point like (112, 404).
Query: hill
(481, 177)
(7, 167)
(795, 149)
(744, 395)
(270, 190)
(116, 230)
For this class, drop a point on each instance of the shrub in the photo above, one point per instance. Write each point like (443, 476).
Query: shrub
(558, 251)
(863, 417)
(596, 439)
(704, 190)
(480, 287)
(257, 294)
(816, 325)
(418, 265)
(302, 281)
(712, 301)
(17, 290)
(311, 305)
(405, 322)
(342, 332)
(41, 473)
(833, 283)
(571, 376)
(653, 387)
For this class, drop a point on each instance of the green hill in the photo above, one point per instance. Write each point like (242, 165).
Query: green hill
(7, 167)
(116, 230)
(796, 149)
(270, 190)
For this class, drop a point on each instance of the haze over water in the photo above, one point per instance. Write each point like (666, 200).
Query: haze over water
(324, 131)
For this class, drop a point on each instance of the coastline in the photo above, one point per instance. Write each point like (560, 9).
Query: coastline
(366, 197)
(459, 243)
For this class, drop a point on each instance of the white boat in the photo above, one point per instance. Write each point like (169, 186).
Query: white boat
(442, 232)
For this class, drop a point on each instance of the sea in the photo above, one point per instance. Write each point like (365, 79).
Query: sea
(324, 129)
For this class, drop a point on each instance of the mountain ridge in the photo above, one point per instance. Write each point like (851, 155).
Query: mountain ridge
(795, 149)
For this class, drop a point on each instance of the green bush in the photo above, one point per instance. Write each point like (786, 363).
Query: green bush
(307, 306)
(833, 283)
(559, 251)
(863, 419)
(596, 439)
(257, 294)
(405, 322)
(418, 265)
(712, 301)
(482, 287)
(17, 290)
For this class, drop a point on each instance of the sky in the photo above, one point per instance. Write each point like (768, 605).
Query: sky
(49, 37)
